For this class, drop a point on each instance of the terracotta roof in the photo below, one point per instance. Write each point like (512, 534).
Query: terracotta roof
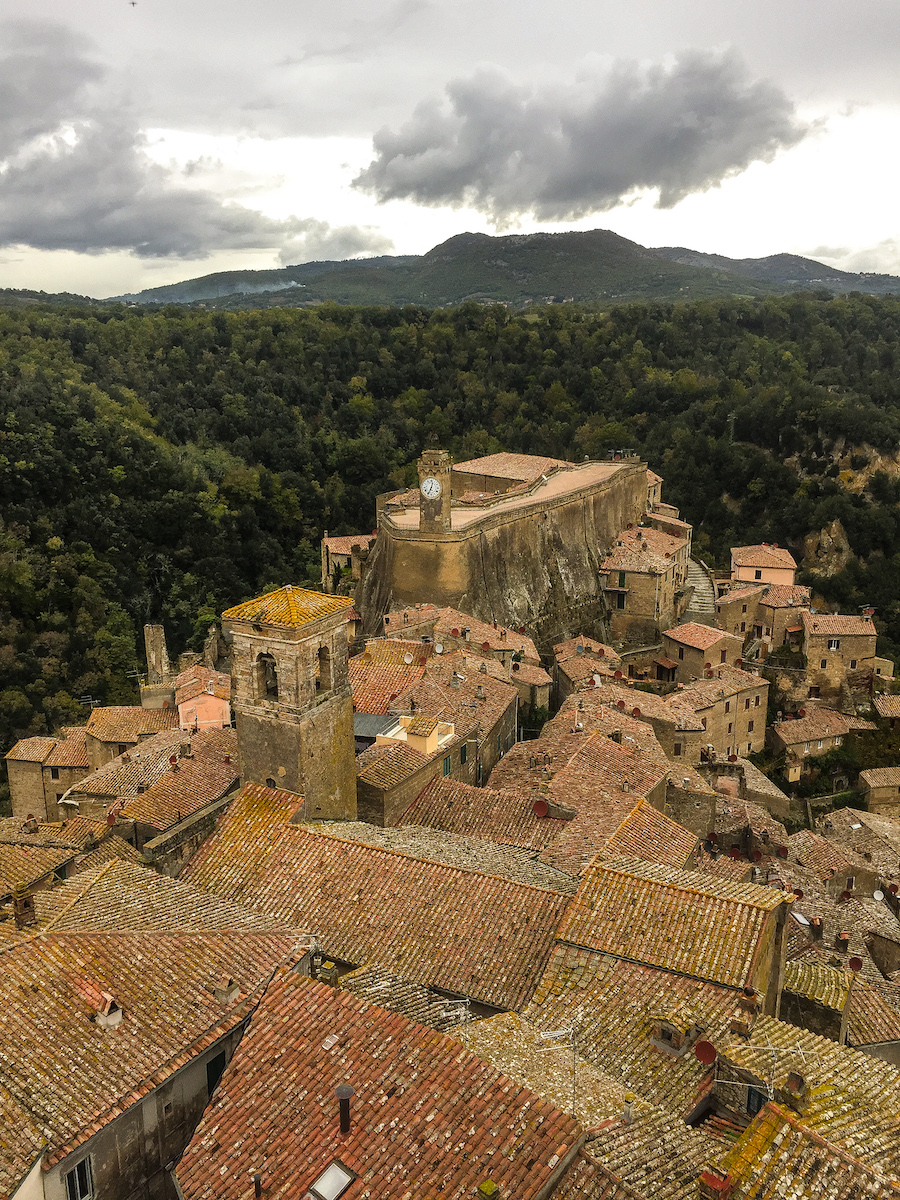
(725, 683)
(375, 985)
(70, 749)
(649, 834)
(852, 1099)
(376, 684)
(344, 543)
(683, 921)
(463, 1121)
(567, 649)
(817, 723)
(21, 866)
(395, 650)
(129, 723)
(741, 593)
(21, 1144)
(483, 636)
(60, 1065)
(671, 709)
(765, 555)
(481, 812)
(462, 705)
(829, 985)
(643, 549)
(129, 898)
(74, 834)
(112, 849)
(386, 765)
(524, 467)
(780, 595)
(616, 1003)
(415, 614)
(823, 856)
(289, 607)
(139, 767)
(34, 749)
(780, 1156)
(701, 637)
(197, 680)
(837, 625)
(874, 1012)
(586, 670)
(461, 931)
(886, 705)
(209, 773)
(879, 777)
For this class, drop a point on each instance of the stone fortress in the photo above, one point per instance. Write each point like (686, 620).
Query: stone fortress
(514, 538)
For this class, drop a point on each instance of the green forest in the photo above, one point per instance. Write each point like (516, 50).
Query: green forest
(163, 464)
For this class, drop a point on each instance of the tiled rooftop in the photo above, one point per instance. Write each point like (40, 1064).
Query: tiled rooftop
(879, 777)
(683, 921)
(21, 866)
(824, 857)
(461, 1120)
(524, 467)
(70, 749)
(483, 637)
(386, 651)
(289, 607)
(197, 679)
(129, 723)
(726, 682)
(33, 749)
(874, 1014)
(478, 698)
(209, 773)
(376, 684)
(344, 543)
(779, 595)
(74, 834)
(817, 723)
(649, 834)
(645, 549)
(414, 614)
(137, 768)
(815, 981)
(875, 837)
(886, 705)
(386, 765)
(21, 1144)
(112, 849)
(497, 816)
(703, 637)
(71, 1075)
(615, 1004)
(375, 985)
(459, 930)
(765, 555)
(837, 625)
(568, 649)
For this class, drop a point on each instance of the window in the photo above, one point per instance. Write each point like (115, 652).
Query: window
(681, 653)
(749, 747)
(755, 1100)
(813, 693)
(80, 1181)
(266, 678)
(819, 744)
(823, 664)
(746, 704)
(54, 772)
(834, 644)
(851, 882)
(806, 747)
(121, 748)
(728, 706)
(620, 599)
(621, 579)
(463, 754)
(730, 726)
(750, 725)
(853, 665)
(743, 626)
(447, 764)
(838, 740)
(214, 1070)
(743, 610)
(333, 1182)
(677, 750)
(723, 656)
(756, 702)
(323, 670)
(757, 574)
(703, 722)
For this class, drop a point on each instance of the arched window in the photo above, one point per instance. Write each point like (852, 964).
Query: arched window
(266, 678)
(323, 670)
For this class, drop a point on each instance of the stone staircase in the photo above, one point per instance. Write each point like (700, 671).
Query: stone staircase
(703, 600)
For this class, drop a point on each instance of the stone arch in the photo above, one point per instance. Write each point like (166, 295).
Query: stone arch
(266, 677)
(324, 669)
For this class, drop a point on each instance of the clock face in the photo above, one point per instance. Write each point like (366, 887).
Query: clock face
(431, 488)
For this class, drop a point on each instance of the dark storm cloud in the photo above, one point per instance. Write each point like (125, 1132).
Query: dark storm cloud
(561, 151)
(75, 175)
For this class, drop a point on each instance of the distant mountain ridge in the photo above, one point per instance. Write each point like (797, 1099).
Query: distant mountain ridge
(790, 270)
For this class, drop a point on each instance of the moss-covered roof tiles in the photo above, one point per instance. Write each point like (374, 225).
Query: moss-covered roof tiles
(288, 608)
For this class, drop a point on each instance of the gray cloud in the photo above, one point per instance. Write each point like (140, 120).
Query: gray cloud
(564, 150)
(359, 37)
(75, 175)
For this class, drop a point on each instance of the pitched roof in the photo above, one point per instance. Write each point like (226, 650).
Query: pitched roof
(344, 543)
(475, 699)
(137, 768)
(725, 683)
(683, 921)
(781, 595)
(823, 856)
(21, 1144)
(208, 774)
(765, 555)
(376, 684)
(112, 849)
(879, 777)
(70, 1074)
(524, 467)
(567, 649)
(484, 636)
(33, 749)
(288, 608)
(462, 1120)
(129, 723)
(817, 723)
(643, 549)
(197, 679)
(482, 812)
(816, 981)
(388, 764)
(700, 637)
(886, 705)
(70, 750)
(649, 834)
(837, 625)
(874, 1013)
(458, 930)
(395, 650)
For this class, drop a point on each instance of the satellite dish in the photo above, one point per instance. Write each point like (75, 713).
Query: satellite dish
(407, 658)
(620, 704)
(854, 963)
(879, 896)
(798, 892)
(540, 808)
(438, 648)
(579, 649)
(705, 1052)
(635, 712)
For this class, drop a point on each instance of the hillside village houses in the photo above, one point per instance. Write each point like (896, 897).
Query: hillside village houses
(317, 918)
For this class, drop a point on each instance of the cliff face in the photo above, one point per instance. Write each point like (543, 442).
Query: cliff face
(538, 569)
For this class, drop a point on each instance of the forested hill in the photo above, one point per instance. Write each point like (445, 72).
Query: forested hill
(165, 464)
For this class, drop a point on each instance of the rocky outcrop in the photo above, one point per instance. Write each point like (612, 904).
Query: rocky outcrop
(828, 551)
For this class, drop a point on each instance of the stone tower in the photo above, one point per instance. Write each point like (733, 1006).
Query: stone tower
(291, 694)
(434, 485)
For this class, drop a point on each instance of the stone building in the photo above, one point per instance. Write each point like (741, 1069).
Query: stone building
(882, 790)
(113, 730)
(732, 709)
(763, 564)
(643, 578)
(291, 697)
(512, 538)
(811, 735)
(340, 554)
(698, 649)
(41, 770)
(837, 648)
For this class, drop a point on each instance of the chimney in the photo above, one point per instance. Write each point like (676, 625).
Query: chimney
(842, 941)
(23, 907)
(225, 990)
(344, 1092)
(714, 1185)
(628, 1108)
(815, 929)
(479, 692)
(454, 680)
(184, 750)
(30, 824)
(748, 1000)
(257, 1184)
(109, 1013)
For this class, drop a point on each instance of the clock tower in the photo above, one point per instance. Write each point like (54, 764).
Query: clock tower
(434, 485)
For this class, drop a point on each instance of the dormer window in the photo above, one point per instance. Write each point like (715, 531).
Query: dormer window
(332, 1183)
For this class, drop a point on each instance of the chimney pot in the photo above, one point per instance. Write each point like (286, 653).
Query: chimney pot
(842, 941)
(344, 1092)
(257, 1184)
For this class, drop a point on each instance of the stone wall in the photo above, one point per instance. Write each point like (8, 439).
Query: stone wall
(26, 789)
(169, 851)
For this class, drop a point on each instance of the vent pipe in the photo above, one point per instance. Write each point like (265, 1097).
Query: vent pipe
(344, 1092)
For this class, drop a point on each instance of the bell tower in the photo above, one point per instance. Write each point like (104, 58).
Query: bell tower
(290, 689)
(434, 488)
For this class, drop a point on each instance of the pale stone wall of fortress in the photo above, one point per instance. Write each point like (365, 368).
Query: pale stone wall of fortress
(536, 566)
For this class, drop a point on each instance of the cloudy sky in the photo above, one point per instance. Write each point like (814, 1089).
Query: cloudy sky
(149, 142)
